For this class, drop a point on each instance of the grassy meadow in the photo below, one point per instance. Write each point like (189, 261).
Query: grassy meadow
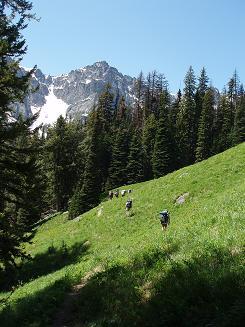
(190, 275)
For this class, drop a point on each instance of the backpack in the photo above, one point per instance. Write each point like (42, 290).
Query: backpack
(164, 217)
(129, 204)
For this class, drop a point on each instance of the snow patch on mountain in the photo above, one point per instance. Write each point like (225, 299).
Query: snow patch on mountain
(73, 94)
(51, 110)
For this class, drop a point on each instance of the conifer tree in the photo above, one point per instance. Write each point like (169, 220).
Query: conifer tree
(139, 90)
(199, 97)
(218, 121)
(232, 94)
(87, 193)
(148, 139)
(162, 156)
(17, 155)
(186, 120)
(239, 123)
(62, 148)
(135, 166)
(174, 112)
(104, 113)
(173, 116)
(225, 137)
(120, 147)
(88, 190)
(205, 129)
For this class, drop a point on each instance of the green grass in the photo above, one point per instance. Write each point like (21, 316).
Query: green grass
(191, 275)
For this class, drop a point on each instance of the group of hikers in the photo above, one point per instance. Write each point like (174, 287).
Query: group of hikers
(116, 193)
(164, 215)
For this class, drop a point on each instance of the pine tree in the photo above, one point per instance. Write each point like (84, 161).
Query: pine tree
(199, 97)
(18, 204)
(232, 94)
(186, 121)
(148, 140)
(162, 155)
(173, 116)
(105, 113)
(135, 166)
(218, 120)
(205, 129)
(120, 147)
(239, 123)
(64, 166)
(153, 88)
(139, 90)
(174, 112)
(225, 137)
(89, 186)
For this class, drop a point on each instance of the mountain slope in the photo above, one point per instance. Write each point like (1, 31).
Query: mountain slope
(191, 275)
(74, 93)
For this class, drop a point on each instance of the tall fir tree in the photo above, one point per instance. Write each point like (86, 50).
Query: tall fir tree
(120, 147)
(225, 137)
(105, 112)
(202, 88)
(205, 129)
(89, 186)
(148, 141)
(239, 122)
(18, 196)
(186, 121)
(62, 150)
(135, 165)
(162, 155)
(232, 94)
(173, 116)
(139, 90)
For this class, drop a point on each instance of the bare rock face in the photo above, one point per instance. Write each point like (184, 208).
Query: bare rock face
(73, 94)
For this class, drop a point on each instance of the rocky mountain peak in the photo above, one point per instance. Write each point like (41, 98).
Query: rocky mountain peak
(75, 93)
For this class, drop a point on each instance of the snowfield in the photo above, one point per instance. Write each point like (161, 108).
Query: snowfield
(52, 109)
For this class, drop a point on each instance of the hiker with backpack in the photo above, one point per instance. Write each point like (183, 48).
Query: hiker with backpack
(129, 204)
(123, 192)
(164, 219)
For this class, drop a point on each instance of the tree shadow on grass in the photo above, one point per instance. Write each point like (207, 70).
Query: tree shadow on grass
(35, 310)
(40, 309)
(204, 291)
(45, 219)
(44, 263)
(154, 290)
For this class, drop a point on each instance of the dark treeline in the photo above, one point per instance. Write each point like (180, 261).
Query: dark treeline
(121, 144)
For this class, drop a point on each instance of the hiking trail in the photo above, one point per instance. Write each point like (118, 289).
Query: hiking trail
(64, 313)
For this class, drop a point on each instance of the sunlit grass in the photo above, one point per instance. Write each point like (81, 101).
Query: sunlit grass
(136, 255)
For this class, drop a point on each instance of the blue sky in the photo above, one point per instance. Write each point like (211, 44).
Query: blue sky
(135, 35)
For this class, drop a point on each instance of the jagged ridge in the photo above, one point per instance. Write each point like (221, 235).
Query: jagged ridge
(73, 94)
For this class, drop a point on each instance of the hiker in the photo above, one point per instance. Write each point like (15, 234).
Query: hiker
(110, 195)
(129, 191)
(123, 192)
(116, 193)
(164, 219)
(129, 204)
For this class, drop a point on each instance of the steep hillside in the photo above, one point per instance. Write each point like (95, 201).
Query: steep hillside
(108, 269)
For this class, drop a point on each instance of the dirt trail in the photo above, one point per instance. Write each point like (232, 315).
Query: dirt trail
(64, 313)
